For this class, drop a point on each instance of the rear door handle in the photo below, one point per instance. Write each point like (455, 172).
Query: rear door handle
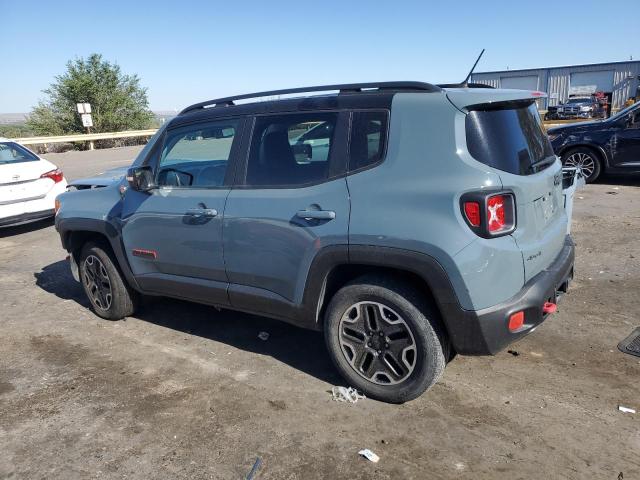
(316, 214)
(202, 212)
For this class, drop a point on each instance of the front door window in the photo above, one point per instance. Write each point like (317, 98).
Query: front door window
(197, 156)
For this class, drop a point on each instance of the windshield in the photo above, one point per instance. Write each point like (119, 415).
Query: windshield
(510, 139)
(578, 100)
(11, 152)
(624, 112)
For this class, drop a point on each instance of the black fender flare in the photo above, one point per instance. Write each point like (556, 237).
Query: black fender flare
(66, 227)
(462, 326)
(422, 265)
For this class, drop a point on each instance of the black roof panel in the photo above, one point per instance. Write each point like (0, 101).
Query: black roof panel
(342, 101)
(342, 88)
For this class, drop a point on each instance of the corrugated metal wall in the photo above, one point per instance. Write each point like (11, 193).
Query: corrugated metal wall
(558, 80)
(625, 83)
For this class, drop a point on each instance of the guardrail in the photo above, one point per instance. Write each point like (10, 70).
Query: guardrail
(84, 137)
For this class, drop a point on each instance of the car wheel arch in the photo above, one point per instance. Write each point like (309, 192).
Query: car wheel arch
(343, 274)
(77, 232)
(596, 149)
(419, 270)
(76, 239)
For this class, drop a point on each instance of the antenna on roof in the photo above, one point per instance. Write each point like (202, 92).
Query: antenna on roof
(466, 80)
(465, 83)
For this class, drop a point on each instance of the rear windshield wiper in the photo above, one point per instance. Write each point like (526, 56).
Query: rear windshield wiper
(542, 163)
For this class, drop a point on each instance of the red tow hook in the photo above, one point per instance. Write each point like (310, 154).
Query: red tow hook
(549, 307)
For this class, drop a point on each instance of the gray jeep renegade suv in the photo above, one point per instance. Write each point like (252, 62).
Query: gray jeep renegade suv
(409, 222)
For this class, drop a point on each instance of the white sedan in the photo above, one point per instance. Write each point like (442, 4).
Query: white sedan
(29, 185)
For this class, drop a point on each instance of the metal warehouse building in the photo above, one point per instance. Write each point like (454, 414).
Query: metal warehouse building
(617, 80)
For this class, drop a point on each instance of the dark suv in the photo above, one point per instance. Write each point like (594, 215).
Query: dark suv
(611, 145)
(579, 107)
(407, 221)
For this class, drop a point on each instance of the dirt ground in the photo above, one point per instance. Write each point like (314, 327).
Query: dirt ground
(182, 391)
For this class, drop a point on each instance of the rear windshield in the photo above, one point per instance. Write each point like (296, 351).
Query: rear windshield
(13, 153)
(510, 139)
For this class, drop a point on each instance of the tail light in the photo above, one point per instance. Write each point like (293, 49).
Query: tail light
(55, 175)
(472, 213)
(489, 214)
(496, 212)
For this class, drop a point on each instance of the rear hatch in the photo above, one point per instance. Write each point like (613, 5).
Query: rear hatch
(20, 172)
(504, 131)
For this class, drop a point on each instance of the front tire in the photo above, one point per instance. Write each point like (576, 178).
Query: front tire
(585, 160)
(111, 298)
(385, 338)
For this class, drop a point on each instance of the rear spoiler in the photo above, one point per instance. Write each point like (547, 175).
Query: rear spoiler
(466, 99)
(464, 85)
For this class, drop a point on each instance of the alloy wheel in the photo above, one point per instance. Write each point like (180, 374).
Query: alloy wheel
(97, 283)
(377, 343)
(584, 162)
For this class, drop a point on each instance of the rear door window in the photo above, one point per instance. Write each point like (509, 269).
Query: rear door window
(291, 149)
(511, 139)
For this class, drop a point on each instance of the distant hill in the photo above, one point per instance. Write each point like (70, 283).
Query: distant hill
(8, 118)
(164, 115)
(20, 118)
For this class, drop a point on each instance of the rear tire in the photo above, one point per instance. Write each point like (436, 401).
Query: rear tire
(397, 357)
(586, 160)
(110, 297)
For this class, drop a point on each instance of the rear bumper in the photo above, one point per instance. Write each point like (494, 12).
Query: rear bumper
(25, 211)
(486, 332)
(25, 218)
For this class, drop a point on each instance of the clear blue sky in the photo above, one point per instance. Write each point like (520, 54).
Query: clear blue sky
(190, 50)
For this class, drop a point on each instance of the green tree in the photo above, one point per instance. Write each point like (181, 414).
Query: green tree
(118, 102)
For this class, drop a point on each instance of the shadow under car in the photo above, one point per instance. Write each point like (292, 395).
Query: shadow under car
(299, 348)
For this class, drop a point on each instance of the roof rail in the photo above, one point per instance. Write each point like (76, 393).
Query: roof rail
(342, 88)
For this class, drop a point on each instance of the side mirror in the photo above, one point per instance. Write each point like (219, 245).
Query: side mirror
(303, 152)
(140, 179)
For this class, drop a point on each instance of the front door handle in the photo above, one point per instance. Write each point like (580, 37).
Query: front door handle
(202, 212)
(316, 214)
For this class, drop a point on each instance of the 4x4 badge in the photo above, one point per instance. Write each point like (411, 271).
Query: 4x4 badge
(557, 179)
